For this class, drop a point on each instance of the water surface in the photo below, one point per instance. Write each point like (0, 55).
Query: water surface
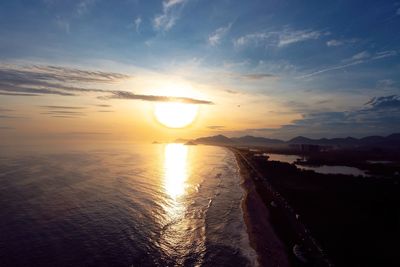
(154, 205)
(324, 169)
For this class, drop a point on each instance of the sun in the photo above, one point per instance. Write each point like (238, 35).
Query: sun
(175, 115)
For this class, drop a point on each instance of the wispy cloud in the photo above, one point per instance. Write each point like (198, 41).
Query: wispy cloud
(258, 76)
(336, 42)
(63, 111)
(398, 12)
(5, 110)
(6, 128)
(383, 54)
(10, 117)
(61, 107)
(37, 80)
(215, 127)
(215, 38)
(103, 106)
(80, 8)
(361, 55)
(17, 94)
(289, 37)
(83, 6)
(359, 58)
(281, 38)
(63, 24)
(167, 19)
(136, 24)
(154, 98)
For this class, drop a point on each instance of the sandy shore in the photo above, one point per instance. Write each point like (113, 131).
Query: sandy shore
(270, 249)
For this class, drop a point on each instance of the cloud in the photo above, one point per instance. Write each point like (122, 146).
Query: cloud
(81, 133)
(83, 6)
(10, 117)
(281, 38)
(359, 58)
(380, 115)
(290, 37)
(6, 109)
(215, 127)
(16, 94)
(215, 38)
(6, 128)
(61, 107)
(258, 76)
(255, 39)
(361, 55)
(80, 8)
(232, 91)
(398, 12)
(62, 112)
(169, 16)
(63, 24)
(103, 106)
(37, 80)
(154, 98)
(335, 42)
(137, 22)
(171, 3)
(64, 116)
(385, 83)
(384, 102)
(383, 54)
(24, 91)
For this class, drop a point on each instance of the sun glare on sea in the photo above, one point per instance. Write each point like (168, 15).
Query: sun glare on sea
(175, 167)
(175, 115)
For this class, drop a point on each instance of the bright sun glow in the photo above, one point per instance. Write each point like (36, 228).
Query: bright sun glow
(175, 115)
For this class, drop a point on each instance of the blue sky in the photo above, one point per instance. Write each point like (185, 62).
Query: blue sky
(312, 57)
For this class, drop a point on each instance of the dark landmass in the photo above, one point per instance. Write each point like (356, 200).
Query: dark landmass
(378, 156)
(320, 218)
(389, 142)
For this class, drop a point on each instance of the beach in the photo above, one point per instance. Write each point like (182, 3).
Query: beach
(275, 232)
(270, 249)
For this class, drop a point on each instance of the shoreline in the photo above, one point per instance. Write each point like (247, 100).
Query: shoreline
(275, 232)
(270, 249)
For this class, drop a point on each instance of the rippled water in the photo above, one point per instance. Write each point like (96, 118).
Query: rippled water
(155, 205)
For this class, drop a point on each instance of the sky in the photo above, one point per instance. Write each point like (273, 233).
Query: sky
(95, 69)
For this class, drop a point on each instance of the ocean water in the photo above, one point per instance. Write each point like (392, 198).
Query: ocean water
(140, 205)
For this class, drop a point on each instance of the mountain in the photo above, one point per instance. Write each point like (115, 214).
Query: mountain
(348, 141)
(216, 139)
(301, 140)
(248, 139)
(392, 140)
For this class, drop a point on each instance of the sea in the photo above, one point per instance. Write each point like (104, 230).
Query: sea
(131, 205)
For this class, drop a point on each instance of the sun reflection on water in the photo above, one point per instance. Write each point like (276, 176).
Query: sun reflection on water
(175, 167)
(174, 239)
